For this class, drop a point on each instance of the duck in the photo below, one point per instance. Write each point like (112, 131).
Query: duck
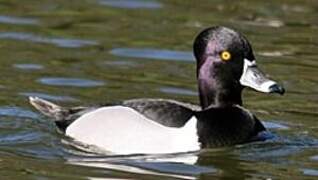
(225, 66)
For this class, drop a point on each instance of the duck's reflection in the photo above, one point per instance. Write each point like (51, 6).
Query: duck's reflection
(182, 165)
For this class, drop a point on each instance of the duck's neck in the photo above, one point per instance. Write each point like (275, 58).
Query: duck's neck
(218, 92)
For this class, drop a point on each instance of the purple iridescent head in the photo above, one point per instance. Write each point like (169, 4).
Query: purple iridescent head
(225, 65)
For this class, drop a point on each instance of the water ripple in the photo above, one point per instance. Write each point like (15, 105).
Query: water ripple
(75, 82)
(315, 158)
(310, 172)
(18, 20)
(153, 54)
(179, 91)
(59, 42)
(275, 23)
(276, 149)
(28, 66)
(16, 112)
(121, 64)
(19, 137)
(275, 53)
(132, 4)
(275, 125)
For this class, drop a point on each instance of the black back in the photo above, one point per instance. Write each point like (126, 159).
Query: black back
(166, 112)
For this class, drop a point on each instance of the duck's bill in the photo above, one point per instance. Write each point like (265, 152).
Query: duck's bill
(254, 78)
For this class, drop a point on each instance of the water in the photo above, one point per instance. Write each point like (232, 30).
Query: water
(102, 51)
(131, 4)
(153, 54)
(60, 42)
(75, 82)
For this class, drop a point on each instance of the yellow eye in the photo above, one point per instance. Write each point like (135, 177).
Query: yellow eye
(225, 55)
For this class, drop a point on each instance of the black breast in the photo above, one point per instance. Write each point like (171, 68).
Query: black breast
(226, 126)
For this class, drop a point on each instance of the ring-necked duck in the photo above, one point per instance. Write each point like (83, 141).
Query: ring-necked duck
(225, 65)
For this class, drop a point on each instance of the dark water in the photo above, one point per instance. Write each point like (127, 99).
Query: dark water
(86, 52)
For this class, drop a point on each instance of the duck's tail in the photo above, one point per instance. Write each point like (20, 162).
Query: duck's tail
(61, 115)
(48, 108)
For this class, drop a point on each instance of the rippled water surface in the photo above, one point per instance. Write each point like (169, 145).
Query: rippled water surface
(96, 51)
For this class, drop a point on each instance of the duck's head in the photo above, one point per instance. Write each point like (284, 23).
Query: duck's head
(225, 65)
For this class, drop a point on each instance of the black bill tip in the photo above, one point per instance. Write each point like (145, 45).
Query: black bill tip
(275, 88)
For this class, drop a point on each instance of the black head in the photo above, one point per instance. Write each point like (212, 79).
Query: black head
(225, 65)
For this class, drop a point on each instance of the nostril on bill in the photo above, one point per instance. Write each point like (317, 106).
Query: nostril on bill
(275, 88)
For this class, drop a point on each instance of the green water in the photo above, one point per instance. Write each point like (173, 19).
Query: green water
(85, 52)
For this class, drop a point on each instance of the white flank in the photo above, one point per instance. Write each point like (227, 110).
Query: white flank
(122, 130)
